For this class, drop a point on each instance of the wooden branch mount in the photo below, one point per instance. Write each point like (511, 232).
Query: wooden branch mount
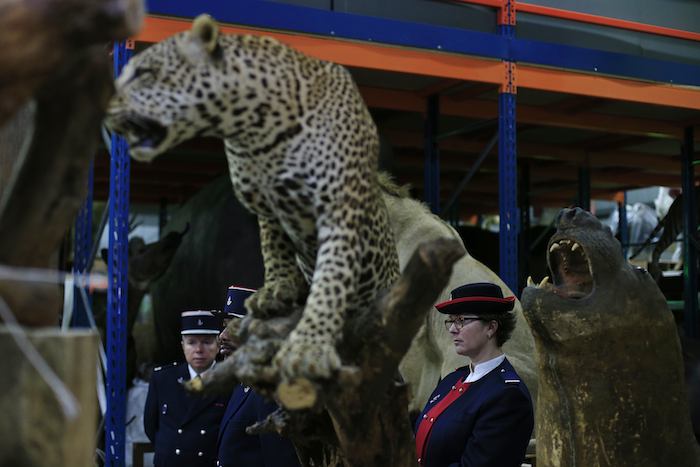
(359, 417)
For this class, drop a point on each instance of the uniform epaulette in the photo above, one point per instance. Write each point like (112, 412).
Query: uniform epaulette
(509, 377)
(158, 368)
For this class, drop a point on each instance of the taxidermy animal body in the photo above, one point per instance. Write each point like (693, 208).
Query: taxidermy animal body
(302, 151)
(207, 263)
(624, 404)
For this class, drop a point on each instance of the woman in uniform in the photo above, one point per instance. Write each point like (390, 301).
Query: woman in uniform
(481, 414)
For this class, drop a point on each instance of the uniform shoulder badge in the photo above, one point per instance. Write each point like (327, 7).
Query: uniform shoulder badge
(509, 377)
(158, 368)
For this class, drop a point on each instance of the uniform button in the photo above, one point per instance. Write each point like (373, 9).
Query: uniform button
(432, 419)
(200, 453)
(420, 459)
(453, 387)
(179, 431)
(425, 416)
(203, 432)
(177, 451)
(461, 389)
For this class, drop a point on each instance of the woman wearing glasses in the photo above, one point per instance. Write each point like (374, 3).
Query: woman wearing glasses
(481, 414)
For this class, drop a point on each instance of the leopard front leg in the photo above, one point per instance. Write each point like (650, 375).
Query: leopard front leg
(284, 286)
(309, 350)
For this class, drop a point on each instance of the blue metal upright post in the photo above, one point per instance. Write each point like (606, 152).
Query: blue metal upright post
(524, 237)
(81, 254)
(431, 192)
(622, 226)
(115, 418)
(584, 187)
(507, 162)
(690, 226)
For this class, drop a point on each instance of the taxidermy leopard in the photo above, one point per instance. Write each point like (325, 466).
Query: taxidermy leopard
(302, 151)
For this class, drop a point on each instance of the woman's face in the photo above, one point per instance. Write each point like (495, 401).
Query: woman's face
(473, 336)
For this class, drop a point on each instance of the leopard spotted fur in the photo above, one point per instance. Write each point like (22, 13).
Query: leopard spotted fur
(302, 153)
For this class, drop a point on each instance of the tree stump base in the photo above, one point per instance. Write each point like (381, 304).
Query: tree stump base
(360, 416)
(33, 428)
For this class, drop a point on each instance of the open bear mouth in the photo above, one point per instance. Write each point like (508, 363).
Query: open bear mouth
(572, 274)
(143, 132)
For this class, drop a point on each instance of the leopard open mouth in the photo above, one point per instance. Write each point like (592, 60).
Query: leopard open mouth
(143, 132)
(570, 267)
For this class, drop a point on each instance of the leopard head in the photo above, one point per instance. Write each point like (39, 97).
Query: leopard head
(165, 94)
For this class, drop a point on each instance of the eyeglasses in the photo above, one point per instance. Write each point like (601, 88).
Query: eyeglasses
(461, 322)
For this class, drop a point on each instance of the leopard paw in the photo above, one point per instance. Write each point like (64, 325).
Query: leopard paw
(251, 362)
(278, 298)
(306, 357)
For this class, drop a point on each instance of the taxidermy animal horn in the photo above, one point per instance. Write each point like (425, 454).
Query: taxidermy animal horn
(206, 30)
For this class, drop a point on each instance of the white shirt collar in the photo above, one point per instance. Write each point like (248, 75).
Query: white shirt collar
(193, 373)
(484, 368)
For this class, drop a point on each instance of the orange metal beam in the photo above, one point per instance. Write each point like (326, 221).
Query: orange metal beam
(488, 182)
(452, 66)
(477, 108)
(564, 153)
(357, 54)
(590, 18)
(604, 21)
(491, 3)
(549, 79)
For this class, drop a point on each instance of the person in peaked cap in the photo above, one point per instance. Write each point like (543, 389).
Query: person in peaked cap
(481, 414)
(233, 309)
(183, 427)
(245, 407)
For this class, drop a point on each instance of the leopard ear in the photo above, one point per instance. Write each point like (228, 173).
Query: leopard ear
(205, 29)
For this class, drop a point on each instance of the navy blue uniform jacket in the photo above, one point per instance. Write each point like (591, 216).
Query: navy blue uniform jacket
(237, 448)
(182, 427)
(489, 426)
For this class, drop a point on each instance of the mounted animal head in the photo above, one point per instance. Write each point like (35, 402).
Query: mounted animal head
(592, 284)
(202, 83)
